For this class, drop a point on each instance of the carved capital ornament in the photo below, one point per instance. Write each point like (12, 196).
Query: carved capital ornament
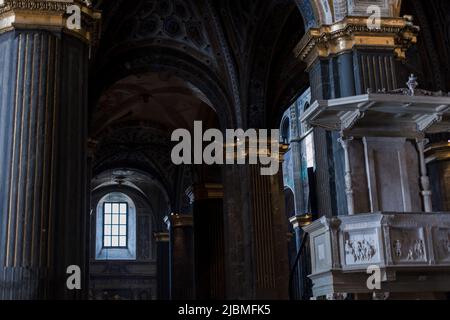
(50, 15)
(397, 34)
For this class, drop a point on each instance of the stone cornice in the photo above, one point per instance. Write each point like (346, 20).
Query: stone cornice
(49, 14)
(328, 40)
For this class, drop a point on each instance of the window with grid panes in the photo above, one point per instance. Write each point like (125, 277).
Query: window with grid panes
(115, 225)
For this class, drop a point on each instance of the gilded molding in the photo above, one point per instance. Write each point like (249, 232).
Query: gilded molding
(328, 40)
(161, 236)
(300, 221)
(255, 147)
(49, 14)
(205, 191)
(180, 220)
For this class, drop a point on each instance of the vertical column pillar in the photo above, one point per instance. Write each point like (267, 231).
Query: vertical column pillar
(43, 135)
(182, 285)
(424, 179)
(209, 241)
(163, 266)
(257, 264)
(344, 141)
(269, 228)
(237, 233)
(304, 263)
(296, 147)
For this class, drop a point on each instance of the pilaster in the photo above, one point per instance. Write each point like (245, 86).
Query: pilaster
(182, 286)
(163, 265)
(207, 200)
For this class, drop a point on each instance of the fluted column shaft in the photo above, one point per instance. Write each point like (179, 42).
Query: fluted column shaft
(182, 285)
(209, 241)
(43, 133)
(162, 243)
(269, 228)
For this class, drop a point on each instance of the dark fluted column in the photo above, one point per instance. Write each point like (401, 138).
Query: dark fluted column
(269, 225)
(163, 269)
(237, 234)
(182, 285)
(209, 241)
(255, 225)
(43, 135)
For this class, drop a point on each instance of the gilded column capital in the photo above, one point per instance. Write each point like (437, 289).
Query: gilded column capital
(51, 15)
(161, 236)
(300, 221)
(397, 34)
(179, 220)
(205, 191)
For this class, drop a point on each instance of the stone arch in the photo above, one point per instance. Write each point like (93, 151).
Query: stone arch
(321, 12)
(275, 77)
(285, 129)
(309, 13)
(289, 198)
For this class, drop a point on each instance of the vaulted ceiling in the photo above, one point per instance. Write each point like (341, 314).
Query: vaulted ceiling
(161, 64)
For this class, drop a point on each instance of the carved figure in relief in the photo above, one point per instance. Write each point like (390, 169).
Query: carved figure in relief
(419, 249)
(415, 249)
(445, 243)
(410, 255)
(398, 248)
(361, 250)
(348, 248)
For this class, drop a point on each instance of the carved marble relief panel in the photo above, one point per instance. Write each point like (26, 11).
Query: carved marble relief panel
(408, 245)
(322, 253)
(441, 238)
(361, 247)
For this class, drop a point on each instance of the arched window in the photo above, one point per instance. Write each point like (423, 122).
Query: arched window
(116, 228)
(115, 224)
